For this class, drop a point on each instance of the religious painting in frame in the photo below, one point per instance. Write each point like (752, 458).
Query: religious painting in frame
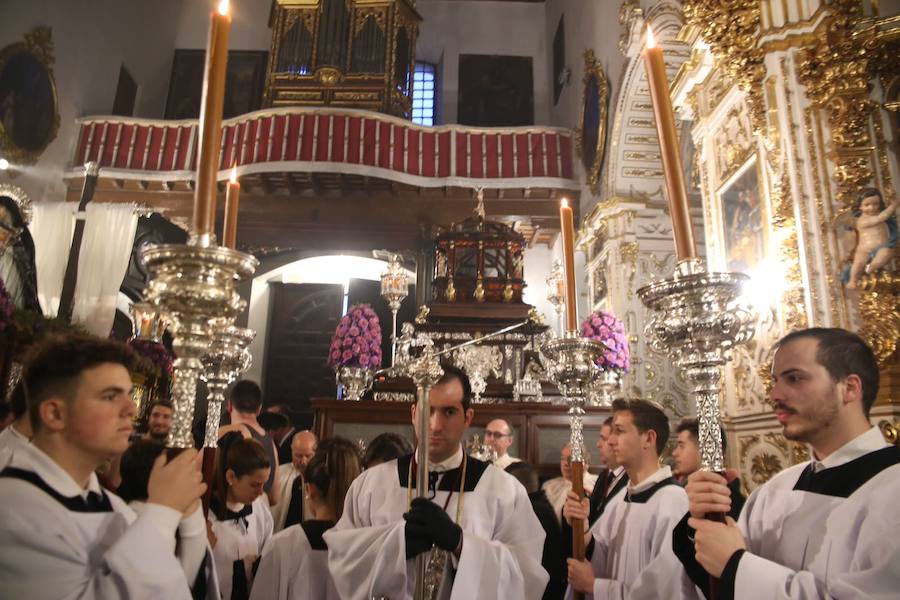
(591, 134)
(29, 109)
(743, 219)
(244, 80)
(495, 91)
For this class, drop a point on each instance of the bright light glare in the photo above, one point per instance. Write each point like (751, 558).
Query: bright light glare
(4, 164)
(766, 285)
(651, 41)
(223, 7)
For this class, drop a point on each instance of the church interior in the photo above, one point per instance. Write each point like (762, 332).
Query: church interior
(412, 156)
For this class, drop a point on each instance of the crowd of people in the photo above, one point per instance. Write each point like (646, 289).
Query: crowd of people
(93, 510)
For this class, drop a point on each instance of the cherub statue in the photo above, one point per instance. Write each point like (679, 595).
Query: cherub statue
(876, 235)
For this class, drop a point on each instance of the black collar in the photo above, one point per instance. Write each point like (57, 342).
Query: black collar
(450, 482)
(643, 496)
(314, 531)
(95, 503)
(843, 480)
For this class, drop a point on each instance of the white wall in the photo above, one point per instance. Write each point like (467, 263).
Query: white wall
(451, 28)
(90, 45)
(593, 25)
(249, 25)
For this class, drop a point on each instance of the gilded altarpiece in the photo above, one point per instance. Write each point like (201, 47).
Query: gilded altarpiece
(787, 116)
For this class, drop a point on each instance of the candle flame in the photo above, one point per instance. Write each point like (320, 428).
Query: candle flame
(233, 174)
(223, 7)
(565, 203)
(651, 41)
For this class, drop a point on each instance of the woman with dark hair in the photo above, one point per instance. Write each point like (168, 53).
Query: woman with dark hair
(386, 446)
(240, 521)
(294, 563)
(135, 466)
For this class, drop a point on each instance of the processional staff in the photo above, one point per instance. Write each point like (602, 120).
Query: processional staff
(70, 279)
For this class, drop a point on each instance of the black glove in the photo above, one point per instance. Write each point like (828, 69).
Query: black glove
(442, 530)
(417, 539)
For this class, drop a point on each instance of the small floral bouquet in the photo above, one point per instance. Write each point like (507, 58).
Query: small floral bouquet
(156, 360)
(357, 340)
(6, 307)
(605, 328)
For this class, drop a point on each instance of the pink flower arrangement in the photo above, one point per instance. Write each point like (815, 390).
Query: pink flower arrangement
(357, 339)
(156, 359)
(605, 328)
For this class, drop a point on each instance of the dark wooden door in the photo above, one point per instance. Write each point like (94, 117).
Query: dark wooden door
(302, 319)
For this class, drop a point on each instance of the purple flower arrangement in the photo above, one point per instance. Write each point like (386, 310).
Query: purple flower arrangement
(156, 359)
(6, 307)
(605, 328)
(357, 340)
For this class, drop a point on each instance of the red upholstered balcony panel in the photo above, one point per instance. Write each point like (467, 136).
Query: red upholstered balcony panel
(348, 141)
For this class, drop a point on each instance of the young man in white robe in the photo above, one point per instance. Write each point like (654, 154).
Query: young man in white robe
(477, 513)
(635, 529)
(61, 534)
(820, 529)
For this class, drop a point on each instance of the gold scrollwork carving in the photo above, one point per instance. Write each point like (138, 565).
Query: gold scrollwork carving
(836, 72)
(590, 137)
(731, 28)
(878, 307)
(30, 108)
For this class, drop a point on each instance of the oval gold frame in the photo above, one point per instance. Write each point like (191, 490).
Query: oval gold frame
(38, 43)
(593, 70)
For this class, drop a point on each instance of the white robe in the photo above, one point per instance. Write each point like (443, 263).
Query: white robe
(284, 479)
(504, 461)
(502, 538)
(192, 544)
(234, 541)
(291, 569)
(824, 535)
(558, 488)
(632, 538)
(49, 549)
(10, 441)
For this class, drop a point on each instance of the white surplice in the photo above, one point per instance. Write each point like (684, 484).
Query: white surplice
(54, 546)
(284, 479)
(824, 529)
(294, 566)
(10, 441)
(502, 538)
(236, 540)
(632, 539)
(558, 488)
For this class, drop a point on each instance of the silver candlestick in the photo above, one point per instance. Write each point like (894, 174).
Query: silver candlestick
(571, 365)
(194, 286)
(697, 323)
(227, 360)
(394, 288)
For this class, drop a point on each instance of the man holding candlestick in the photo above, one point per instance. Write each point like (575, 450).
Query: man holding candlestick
(820, 529)
(632, 537)
(479, 514)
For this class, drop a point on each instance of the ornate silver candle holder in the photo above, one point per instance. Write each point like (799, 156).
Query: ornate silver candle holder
(697, 323)
(194, 286)
(571, 365)
(394, 288)
(227, 360)
(605, 389)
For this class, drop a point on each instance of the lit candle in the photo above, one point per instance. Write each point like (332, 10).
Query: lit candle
(211, 124)
(676, 192)
(232, 200)
(567, 224)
